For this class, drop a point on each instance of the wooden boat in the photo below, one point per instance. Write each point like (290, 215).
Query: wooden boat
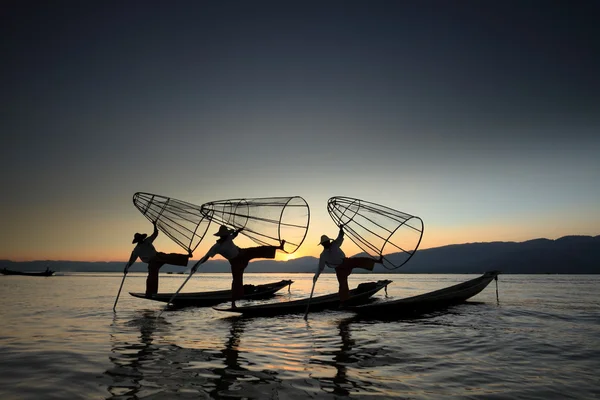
(47, 272)
(361, 294)
(207, 299)
(427, 302)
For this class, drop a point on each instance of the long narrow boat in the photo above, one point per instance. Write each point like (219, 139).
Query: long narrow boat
(207, 299)
(47, 272)
(360, 295)
(427, 302)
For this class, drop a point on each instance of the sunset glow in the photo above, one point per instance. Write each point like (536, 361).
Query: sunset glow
(479, 144)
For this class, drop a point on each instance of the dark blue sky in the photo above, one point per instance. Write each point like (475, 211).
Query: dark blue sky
(480, 117)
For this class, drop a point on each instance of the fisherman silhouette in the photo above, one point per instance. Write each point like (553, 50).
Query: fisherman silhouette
(145, 250)
(333, 257)
(238, 258)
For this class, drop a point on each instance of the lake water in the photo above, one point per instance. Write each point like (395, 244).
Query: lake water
(59, 339)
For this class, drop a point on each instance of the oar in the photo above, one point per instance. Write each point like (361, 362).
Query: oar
(178, 290)
(311, 295)
(119, 293)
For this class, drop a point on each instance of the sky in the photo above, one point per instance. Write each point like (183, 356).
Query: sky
(481, 118)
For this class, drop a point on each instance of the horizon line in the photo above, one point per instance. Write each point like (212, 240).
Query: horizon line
(273, 260)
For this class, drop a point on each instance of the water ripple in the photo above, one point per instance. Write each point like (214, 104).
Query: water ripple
(540, 341)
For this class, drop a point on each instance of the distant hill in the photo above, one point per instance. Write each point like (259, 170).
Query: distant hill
(567, 255)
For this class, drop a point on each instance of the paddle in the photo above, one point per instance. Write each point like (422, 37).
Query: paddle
(120, 287)
(180, 287)
(311, 295)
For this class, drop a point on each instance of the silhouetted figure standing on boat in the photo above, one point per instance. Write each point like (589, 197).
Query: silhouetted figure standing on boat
(333, 257)
(145, 250)
(238, 258)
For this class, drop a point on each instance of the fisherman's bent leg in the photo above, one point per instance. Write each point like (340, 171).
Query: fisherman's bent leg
(174, 259)
(152, 279)
(239, 264)
(360, 262)
(259, 252)
(344, 270)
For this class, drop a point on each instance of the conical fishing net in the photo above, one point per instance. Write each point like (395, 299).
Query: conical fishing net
(266, 221)
(183, 222)
(378, 230)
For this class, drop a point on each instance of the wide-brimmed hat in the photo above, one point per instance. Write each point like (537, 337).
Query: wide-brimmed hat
(138, 237)
(223, 231)
(324, 238)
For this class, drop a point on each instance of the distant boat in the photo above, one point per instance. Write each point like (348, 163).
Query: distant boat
(47, 272)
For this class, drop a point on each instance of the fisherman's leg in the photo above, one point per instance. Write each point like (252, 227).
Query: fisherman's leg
(259, 252)
(152, 279)
(342, 272)
(237, 284)
(174, 259)
(360, 262)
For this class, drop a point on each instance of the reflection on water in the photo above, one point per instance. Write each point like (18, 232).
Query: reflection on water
(151, 367)
(232, 379)
(452, 353)
(338, 359)
(132, 360)
(145, 365)
(540, 342)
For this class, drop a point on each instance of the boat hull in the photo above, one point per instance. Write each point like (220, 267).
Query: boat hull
(359, 295)
(208, 299)
(427, 302)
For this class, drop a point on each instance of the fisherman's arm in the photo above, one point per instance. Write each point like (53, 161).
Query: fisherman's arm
(154, 234)
(340, 237)
(320, 269)
(234, 234)
(132, 259)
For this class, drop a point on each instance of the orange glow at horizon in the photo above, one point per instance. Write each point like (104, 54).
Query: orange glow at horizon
(286, 257)
(86, 244)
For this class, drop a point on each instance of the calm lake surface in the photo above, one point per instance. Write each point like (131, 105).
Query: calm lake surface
(59, 339)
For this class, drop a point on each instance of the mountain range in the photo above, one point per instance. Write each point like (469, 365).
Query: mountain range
(566, 255)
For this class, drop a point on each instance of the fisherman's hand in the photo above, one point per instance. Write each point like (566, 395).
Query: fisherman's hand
(315, 278)
(239, 230)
